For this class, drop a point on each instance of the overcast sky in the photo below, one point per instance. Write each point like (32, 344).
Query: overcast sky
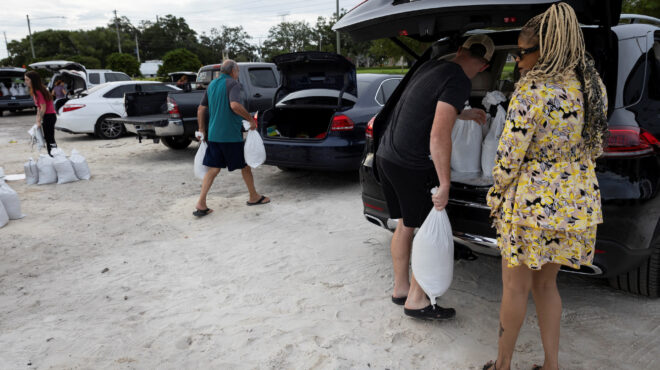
(256, 16)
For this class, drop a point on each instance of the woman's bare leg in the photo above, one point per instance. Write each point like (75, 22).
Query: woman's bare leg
(548, 309)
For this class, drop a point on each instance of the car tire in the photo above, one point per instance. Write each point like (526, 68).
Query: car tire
(176, 142)
(644, 280)
(108, 130)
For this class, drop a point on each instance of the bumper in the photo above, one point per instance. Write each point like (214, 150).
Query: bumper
(16, 104)
(156, 129)
(73, 124)
(332, 153)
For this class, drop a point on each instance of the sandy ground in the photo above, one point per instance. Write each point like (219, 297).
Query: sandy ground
(115, 273)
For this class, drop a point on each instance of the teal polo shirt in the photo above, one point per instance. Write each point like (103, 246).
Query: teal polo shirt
(224, 125)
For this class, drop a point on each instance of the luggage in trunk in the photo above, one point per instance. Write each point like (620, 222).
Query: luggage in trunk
(297, 123)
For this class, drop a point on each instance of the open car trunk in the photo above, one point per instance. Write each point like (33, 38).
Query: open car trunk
(12, 85)
(298, 123)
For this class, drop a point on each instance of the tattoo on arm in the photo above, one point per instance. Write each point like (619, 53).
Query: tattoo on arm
(501, 330)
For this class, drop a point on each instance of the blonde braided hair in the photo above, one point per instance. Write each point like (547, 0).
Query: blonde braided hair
(562, 51)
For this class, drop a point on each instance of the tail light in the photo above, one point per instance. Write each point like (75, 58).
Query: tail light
(342, 123)
(72, 107)
(369, 132)
(173, 108)
(629, 141)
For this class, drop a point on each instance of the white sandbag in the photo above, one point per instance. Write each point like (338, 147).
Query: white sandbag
(80, 165)
(466, 137)
(64, 168)
(254, 150)
(37, 137)
(3, 89)
(10, 201)
(493, 98)
(31, 172)
(490, 143)
(12, 90)
(199, 167)
(4, 217)
(21, 90)
(47, 173)
(433, 254)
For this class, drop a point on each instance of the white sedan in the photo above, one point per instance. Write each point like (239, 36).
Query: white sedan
(88, 112)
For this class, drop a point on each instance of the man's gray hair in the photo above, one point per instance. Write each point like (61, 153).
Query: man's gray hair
(228, 66)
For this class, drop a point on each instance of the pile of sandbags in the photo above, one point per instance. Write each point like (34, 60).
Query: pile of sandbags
(474, 146)
(58, 169)
(10, 204)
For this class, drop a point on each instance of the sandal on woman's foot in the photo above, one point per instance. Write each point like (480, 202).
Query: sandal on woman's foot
(490, 365)
(399, 300)
(431, 312)
(537, 367)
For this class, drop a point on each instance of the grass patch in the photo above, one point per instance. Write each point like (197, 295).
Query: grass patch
(384, 70)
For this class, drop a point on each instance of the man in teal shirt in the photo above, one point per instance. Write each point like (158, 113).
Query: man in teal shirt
(222, 101)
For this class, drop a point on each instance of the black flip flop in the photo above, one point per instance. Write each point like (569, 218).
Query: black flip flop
(431, 312)
(491, 365)
(399, 300)
(202, 212)
(260, 201)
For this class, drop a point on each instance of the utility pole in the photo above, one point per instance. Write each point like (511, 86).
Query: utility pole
(30, 33)
(337, 19)
(117, 28)
(137, 48)
(6, 44)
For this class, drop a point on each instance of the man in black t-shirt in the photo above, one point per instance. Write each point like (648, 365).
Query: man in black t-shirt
(414, 156)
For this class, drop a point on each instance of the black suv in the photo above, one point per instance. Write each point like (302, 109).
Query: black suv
(628, 59)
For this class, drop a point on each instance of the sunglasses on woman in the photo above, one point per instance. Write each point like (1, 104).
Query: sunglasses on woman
(520, 53)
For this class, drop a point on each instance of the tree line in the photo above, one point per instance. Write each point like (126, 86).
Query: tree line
(98, 48)
(172, 40)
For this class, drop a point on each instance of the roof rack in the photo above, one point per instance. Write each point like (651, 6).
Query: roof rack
(638, 18)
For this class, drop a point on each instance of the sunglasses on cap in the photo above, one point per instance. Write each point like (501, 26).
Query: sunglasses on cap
(520, 53)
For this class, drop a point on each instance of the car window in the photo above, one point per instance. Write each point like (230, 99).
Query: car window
(386, 89)
(119, 91)
(94, 78)
(156, 87)
(121, 76)
(110, 77)
(216, 74)
(262, 77)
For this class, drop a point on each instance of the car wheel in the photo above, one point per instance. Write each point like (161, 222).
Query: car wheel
(176, 142)
(645, 280)
(108, 130)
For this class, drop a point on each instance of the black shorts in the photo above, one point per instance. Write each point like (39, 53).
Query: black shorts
(221, 155)
(407, 191)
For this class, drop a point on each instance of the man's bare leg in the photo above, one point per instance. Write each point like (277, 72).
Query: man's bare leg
(206, 186)
(249, 182)
(400, 248)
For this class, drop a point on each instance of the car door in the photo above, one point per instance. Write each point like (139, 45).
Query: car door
(260, 87)
(431, 20)
(115, 98)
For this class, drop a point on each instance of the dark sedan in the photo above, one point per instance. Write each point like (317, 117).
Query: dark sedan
(321, 112)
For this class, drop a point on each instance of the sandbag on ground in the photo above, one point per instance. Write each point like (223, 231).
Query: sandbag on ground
(47, 173)
(80, 165)
(31, 172)
(64, 168)
(10, 201)
(4, 218)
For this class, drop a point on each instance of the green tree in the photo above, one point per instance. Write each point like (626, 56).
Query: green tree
(645, 7)
(327, 40)
(87, 61)
(288, 37)
(123, 62)
(179, 60)
(167, 34)
(231, 42)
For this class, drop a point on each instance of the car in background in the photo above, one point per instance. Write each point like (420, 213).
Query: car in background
(14, 94)
(321, 112)
(189, 86)
(628, 59)
(88, 112)
(100, 76)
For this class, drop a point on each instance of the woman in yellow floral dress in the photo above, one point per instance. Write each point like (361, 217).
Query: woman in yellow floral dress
(545, 202)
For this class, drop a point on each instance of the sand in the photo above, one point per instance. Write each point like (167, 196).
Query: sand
(115, 273)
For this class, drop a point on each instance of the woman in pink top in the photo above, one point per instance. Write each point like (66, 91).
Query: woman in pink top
(46, 116)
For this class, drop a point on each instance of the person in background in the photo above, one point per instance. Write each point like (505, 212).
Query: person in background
(59, 91)
(183, 83)
(414, 156)
(545, 203)
(46, 116)
(222, 103)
